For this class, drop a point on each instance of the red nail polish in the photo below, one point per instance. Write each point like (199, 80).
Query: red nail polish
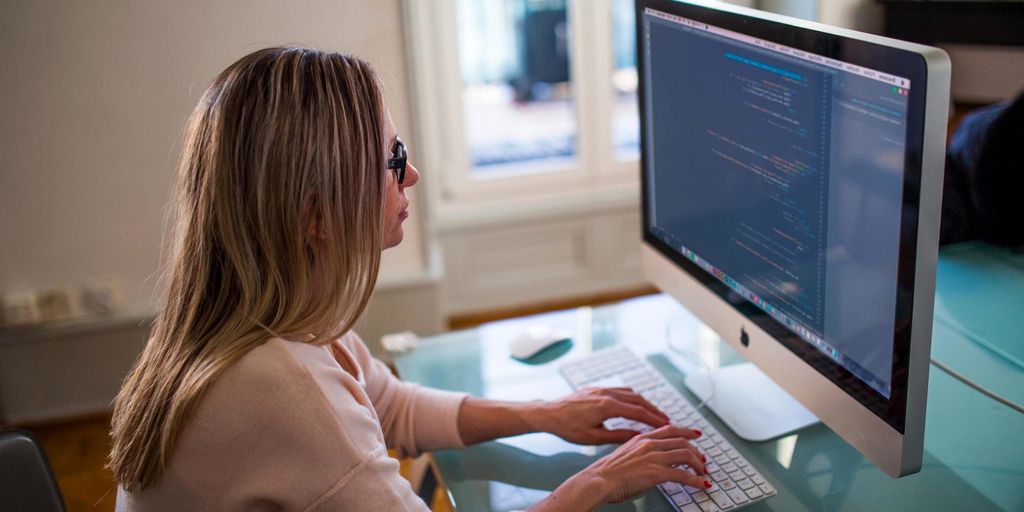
(704, 457)
(695, 431)
(707, 484)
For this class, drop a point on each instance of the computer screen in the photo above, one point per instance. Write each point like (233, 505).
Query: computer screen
(796, 169)
(784, 172)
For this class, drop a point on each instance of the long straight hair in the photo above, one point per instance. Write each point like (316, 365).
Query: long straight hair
(278, 208)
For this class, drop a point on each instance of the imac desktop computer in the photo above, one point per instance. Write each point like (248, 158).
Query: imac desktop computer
(791, 183)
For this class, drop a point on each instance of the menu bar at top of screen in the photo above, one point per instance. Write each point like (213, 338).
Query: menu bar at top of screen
(786, 50)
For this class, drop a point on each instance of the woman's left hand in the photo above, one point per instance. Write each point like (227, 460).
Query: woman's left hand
(579, 418)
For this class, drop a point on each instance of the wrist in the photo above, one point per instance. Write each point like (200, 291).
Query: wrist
(584, 491)
(537, 415)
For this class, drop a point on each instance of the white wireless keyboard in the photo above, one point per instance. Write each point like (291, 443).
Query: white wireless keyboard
(736, 482)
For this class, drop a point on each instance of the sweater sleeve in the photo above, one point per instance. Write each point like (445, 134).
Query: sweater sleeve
(372, 486)
(414, 419)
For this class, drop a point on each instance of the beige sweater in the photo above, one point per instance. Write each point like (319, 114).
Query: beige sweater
(292, 426)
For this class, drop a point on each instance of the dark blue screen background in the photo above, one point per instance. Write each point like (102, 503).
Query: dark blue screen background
(785, 175)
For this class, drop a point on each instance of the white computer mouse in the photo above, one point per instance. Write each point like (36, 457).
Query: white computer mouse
(534, 339)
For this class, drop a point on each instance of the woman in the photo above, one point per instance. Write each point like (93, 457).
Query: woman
(252, 392)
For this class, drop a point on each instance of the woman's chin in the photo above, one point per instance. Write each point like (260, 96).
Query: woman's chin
(394, 238)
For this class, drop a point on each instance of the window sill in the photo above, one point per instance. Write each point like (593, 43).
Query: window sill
(458, 217)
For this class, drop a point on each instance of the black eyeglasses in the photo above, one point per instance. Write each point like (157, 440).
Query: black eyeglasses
(399, 155)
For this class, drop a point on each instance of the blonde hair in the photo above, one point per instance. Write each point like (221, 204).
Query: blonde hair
(279, 207)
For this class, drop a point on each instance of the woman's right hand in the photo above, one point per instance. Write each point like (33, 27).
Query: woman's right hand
(642, 462)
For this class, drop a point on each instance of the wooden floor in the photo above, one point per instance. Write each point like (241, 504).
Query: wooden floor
(78, 450)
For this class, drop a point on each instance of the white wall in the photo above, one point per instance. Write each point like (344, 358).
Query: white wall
(93, 99)
(863, 15)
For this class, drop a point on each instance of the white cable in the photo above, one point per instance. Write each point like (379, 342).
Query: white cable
(695, 358)
(999, 398)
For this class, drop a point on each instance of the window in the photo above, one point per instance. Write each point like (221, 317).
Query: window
(518, 99)
(517, 95)
(626, 118)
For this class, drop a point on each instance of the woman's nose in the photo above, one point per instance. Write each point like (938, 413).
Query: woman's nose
(412, 175)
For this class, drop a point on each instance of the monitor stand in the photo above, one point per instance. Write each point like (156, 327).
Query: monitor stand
(749, 402)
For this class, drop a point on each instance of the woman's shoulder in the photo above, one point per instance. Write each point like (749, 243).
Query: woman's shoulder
(275, 359)
(273, 406)
(265, 381)
(286, 389)
(281, 374)
(281, 423)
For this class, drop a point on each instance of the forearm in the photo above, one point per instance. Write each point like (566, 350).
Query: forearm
(581, 492)
(483, 420)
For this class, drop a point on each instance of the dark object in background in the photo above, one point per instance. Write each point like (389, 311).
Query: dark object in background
(995, 22)
(983, 191)
(26, 480)
(543, 51)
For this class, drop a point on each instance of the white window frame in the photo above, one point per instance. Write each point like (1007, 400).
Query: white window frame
(598, 180)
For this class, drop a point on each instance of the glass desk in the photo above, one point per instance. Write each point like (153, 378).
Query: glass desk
(974, 446)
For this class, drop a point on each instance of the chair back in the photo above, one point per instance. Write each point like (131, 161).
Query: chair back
(26, 480)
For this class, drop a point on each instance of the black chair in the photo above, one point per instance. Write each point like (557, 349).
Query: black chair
(26, 480)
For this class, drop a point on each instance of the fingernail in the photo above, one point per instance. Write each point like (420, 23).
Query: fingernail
(695, 431)
(704, 457)
(707, 484)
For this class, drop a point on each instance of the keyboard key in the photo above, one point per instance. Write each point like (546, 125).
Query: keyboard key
(672, 487)
(681, 499)
(700, 496)
(745, 483)
(754, 493)
(718, 476)
(721, 500)
(729, 467)
(736, 475)
(738, 496)
(758, 479)
(692, 507)
(749, 470)
(728, 484)
(709, 506)
(767, 489)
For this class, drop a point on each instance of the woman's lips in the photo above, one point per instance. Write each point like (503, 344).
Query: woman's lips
(404, 215)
